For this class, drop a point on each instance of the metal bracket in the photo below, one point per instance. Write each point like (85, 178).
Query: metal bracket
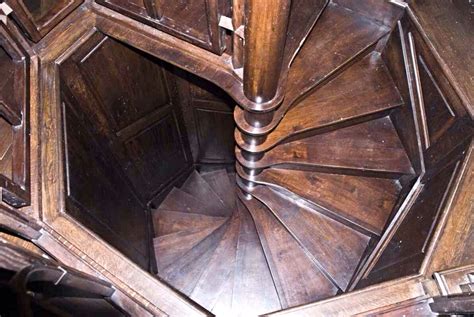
(5, 11)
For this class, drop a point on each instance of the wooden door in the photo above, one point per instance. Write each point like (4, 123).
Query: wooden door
(14, 108)
(38, 17)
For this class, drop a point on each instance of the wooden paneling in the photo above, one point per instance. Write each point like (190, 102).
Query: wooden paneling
(97, 194)
(124, 140)
(408, 246)
(130, 106)
(38, 17)
(14, 111)
(208, 113)
(196, 21)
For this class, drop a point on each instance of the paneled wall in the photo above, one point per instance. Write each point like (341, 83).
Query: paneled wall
(208, 113)
(124, 137)
(437, 133)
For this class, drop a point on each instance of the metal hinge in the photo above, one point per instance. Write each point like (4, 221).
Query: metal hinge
(226, 23)
(5, 11)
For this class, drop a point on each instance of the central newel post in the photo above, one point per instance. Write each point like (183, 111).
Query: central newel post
(266, 26)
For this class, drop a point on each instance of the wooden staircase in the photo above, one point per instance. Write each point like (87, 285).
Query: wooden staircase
(317, 184)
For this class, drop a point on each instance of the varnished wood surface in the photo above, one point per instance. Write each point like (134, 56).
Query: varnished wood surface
(448, 29)
(37, 18)
(343, 100)
(335, 247)
(316, 60)
(372, 147)
(351, 198)
(297, 278)
(109, 260)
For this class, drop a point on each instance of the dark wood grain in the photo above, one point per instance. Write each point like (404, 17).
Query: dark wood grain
(221, 184)
(323, 54)
(196, 186)
(185, 272)
(406, 249)
(348, 197)
(14, 114)
(254, 291)
(195, 21)
(171, 247)
(297, 279)
(371, 147)
(336, 248)
(220, 267)
(342, 100)
(38, 18)
(178, 200)
(451, 41)
(167, 222)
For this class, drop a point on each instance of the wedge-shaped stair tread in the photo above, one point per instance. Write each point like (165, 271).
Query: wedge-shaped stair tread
(219, 269)
(297, 278)
(364, 201)
(372, 146)
(196, 186)
(339, 37)
(362, 91)
(169, 248)
(220, 183)
(178, 200)
(166, 222)
(254, 291)
(186, 271)
(336, 247)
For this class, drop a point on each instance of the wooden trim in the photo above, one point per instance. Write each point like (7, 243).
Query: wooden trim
(38, 29)
(359, 302)
(456, 228)
(123, 273)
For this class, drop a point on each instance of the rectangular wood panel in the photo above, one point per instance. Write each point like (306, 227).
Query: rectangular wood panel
(39, 17)
(196, 21)
(97, 193)
(14, 125)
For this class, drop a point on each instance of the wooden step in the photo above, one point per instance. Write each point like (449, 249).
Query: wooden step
(171, 247)
(366, 202)
(335, 247)
(254, 292)
(185, 272)
(368, 148)
(219, 269)
(339, 37)
(167, 222)
(178, 200)
(297, 278)
(363, 91)
(220, 183)
(196, 186)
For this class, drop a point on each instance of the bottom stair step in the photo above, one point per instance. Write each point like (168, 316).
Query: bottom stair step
(297, 279)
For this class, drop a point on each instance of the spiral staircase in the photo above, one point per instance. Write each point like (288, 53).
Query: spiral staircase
(313, 196)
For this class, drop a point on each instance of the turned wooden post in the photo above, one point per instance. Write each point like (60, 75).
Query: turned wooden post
(265, 37)
(266, 26)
